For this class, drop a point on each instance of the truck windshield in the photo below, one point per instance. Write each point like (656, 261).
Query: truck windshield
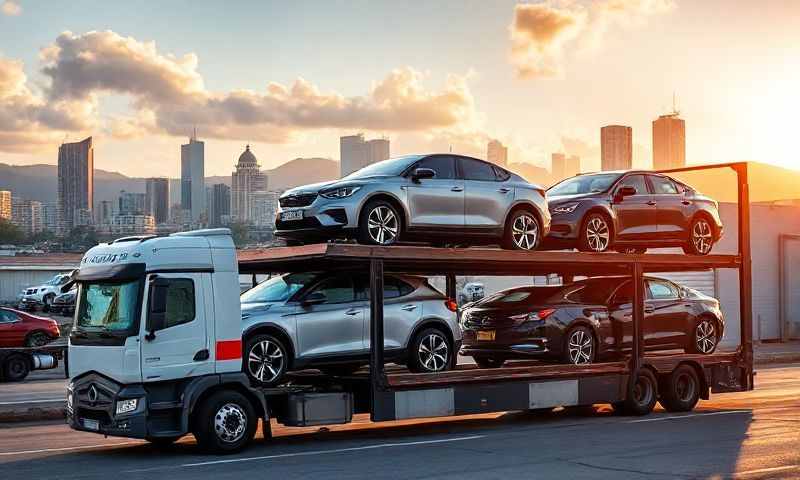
(277, 289)
(108, 306)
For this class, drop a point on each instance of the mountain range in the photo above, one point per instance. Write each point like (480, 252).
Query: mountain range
(40, 182)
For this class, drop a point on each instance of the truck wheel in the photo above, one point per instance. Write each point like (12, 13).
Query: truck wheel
(430, 351)
(489, 362)
(225, 422)
(16, 368)
(642, 397)
(680, 390)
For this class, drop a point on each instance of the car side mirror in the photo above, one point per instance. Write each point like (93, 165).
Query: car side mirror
(422, 173)
(315, 298)
(157, 307)
(625, 191)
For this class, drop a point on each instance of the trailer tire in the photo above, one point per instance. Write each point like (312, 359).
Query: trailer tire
(641, 397)
(16, 368)
(680, 390)
(225, 422)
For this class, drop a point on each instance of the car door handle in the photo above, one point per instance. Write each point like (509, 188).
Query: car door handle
(503, 190)
(651, 202)
(409, 307)
(457, 189)
(352, 311)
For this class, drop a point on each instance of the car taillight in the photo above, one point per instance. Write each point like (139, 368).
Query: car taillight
(542, 314)
(451, 305)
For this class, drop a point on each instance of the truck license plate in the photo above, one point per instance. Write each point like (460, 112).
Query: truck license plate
(90, 424)
(487, 335)
(292, 215)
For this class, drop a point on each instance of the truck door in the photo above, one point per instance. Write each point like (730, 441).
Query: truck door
(177, 346)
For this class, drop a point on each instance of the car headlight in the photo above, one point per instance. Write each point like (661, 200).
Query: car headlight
(569, 208)
(340, 192)
(127, 406)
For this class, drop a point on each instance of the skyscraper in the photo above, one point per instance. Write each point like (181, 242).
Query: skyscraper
(497, 153)
(193, 188)
(616, 147)
(75, 183)
(132, 203)
(246, 180)
(157, 199)
(558, 165)
(5, 204)
(105, 211)
(219, 208)
(573, 166)
(669, 142)
(355, 153)
(27, 215)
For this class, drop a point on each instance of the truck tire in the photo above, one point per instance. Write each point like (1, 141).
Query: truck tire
(680, 390)
(225, 422)
(16, 368)
(641, 398)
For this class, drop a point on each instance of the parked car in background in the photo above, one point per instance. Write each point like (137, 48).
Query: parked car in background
(321, 320)
(587, 321)
(44, 294)
(630, 212)
(471, 292)
(433, 198)
(21, 329)
(64, 304)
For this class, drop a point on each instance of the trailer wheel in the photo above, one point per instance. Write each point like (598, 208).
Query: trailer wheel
(641, 398)
(16, 368)
(225, 422)
(680, 390)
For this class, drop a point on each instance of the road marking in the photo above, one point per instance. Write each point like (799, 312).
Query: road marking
(336, 450)
(679, 417)
(767, 470)
(25, 402)
(67, 449)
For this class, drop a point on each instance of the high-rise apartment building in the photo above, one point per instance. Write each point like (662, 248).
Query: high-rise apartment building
(157, 199)
(219, 206)
(246, 180)
(669, 142)
(50, 216)
(27, 215)
(497, 153)
(563, 166)
(75, 183)
(132, 203)
(616, 147)
(193, 188)
(264, 206)
(5, 204)
(355, 153)
(105, 210)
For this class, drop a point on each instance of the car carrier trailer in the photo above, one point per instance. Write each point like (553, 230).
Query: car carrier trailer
(221, 409)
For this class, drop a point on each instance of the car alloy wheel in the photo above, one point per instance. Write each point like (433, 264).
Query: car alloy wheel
(702, 237)
(705, 336)
(598, 234)
(525, 232)
(265, 361)
(433, 352)
(382, 225)
(230, 423)
(37, 339)
(581, 346)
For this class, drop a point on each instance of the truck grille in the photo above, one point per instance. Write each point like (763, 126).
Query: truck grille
(299, 200)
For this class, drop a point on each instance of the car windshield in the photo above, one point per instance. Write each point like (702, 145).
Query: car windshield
(513, 296)
(108, 306)
(596, 183)
(391, 167)
(57, 280)
(277, 289)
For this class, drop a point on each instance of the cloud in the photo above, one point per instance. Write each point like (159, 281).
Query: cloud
(541, 32)
(10, 8)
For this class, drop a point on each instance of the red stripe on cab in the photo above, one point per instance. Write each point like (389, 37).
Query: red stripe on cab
(229, 349)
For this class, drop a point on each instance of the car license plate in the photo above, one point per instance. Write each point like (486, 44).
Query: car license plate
(487, 335)
(292, 215)
(90, 424)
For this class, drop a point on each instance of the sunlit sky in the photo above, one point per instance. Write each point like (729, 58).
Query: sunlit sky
(734, 67)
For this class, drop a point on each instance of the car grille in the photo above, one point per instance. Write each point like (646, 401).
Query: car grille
(308, 222)
(299, 200)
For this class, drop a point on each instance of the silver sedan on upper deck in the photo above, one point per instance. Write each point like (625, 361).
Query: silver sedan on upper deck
(439, 198)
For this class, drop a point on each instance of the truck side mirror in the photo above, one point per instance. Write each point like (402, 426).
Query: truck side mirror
(157, 307)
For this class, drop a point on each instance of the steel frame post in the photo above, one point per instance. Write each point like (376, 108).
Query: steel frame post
(638, 321)
(745, 271)
(376, 368)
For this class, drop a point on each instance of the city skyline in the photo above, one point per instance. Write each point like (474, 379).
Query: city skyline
(535, 103)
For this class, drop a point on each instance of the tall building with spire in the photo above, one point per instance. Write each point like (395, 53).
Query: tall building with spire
(75, 184)
(246, 180)
(193, 188)
(669, 141)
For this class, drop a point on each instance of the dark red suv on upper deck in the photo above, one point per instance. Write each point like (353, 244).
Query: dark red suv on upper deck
(20, 329)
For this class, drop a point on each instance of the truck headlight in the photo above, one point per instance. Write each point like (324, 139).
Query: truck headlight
(127, 406)
(565, 208)
(69, 400)
(340, 192)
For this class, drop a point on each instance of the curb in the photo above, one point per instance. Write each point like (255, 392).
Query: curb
(21, 412)
(773, 358)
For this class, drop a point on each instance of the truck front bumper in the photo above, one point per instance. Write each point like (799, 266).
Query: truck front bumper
(92, 407)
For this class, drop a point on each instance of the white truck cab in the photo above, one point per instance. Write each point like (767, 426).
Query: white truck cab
(157, 342)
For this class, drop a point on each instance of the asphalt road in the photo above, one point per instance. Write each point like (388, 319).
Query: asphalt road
(739, 435)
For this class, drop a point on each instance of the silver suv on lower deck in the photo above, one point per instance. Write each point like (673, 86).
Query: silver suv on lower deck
(321, 320)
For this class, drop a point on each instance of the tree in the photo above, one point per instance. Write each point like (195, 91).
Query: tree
(43, 236)
(240, 234)
(10, 233)
(81, 237)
